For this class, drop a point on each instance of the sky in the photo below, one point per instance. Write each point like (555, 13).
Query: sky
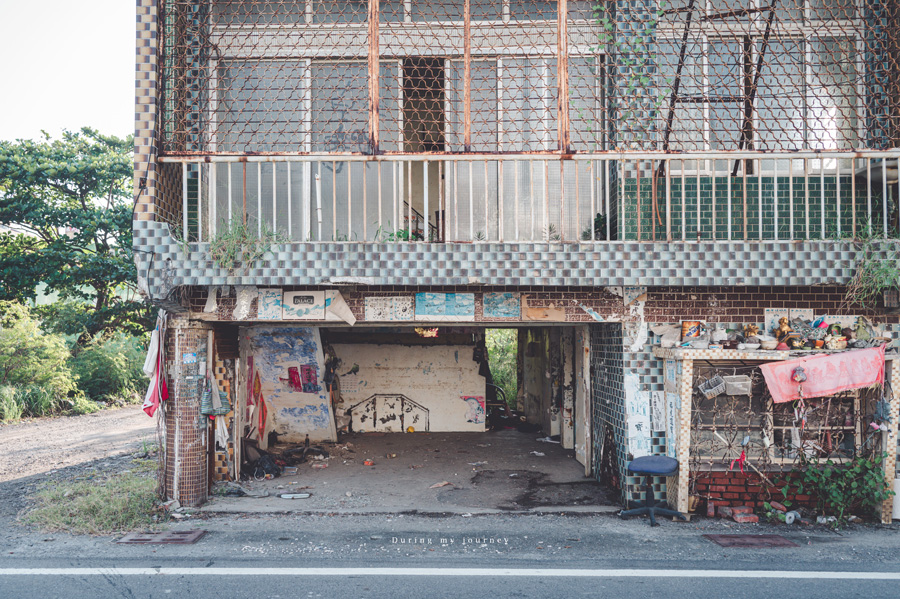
(66, 64)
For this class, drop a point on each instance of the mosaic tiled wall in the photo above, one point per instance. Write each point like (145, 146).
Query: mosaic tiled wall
(685, 217)
(224, 373)
(145, 110)
(608, 393)
(716, 305)
(186, 448)
(164, 263)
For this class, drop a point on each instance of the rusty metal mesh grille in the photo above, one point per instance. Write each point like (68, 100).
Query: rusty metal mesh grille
(528, 75)
(773, 435)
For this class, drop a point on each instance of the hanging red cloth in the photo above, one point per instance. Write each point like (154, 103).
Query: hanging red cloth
(826, 374)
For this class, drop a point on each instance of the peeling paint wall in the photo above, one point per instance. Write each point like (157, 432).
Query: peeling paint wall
(290, 363)
(438, 387)
(567, 351)
(536, 376)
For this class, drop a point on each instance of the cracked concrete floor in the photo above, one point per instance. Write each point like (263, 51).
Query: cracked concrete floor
(487, 472)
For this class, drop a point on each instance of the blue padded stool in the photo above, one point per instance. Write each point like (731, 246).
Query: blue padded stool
(650, 466)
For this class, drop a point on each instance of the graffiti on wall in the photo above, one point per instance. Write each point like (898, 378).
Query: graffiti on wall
(286, 363)
(501, 305)
(313, 415)
(475, 412)
(445, 306)
(269, 304)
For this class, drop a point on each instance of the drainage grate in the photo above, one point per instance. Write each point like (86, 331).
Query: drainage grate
(751, 541)
(178, 537)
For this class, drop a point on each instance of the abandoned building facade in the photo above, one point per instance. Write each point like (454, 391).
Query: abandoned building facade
(337, 199)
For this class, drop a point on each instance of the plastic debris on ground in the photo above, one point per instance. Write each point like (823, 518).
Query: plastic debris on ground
(440, 484)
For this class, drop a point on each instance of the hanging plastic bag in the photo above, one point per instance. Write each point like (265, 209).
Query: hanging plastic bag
(210, 404)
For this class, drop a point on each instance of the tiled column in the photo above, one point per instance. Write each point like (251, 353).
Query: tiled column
(889, 443)
(186, 447)
(145, 106)
(683, 442)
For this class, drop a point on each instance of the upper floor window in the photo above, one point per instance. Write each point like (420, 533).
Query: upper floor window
(756, 79)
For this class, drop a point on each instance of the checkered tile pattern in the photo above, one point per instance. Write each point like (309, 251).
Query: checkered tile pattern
(608, 393)
(145, 107)
(522, 264)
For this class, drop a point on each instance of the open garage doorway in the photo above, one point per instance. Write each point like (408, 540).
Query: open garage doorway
(438, 418)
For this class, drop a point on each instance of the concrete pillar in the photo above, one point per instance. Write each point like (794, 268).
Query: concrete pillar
(186, 469)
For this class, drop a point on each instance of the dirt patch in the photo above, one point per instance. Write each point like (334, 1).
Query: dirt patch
(47, 444)
(74, 447)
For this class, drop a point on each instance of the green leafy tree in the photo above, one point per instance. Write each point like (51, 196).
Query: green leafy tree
(29, 357)
(65, 220)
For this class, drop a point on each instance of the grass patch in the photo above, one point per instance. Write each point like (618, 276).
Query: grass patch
(121, 503)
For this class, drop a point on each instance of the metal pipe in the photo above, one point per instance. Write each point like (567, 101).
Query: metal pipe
(525, 156)
(290, 203)
(425, 230)
(608, 168)
(562, 74)
(259, 216)
(467, 76)
(374, 76)
(185, 233)
(319, 207)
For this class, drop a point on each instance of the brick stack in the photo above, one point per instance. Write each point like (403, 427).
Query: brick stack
(747, 489)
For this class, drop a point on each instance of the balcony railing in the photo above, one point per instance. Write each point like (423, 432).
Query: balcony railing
(542, 198)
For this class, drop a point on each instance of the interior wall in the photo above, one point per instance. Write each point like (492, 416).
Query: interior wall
(392, 386)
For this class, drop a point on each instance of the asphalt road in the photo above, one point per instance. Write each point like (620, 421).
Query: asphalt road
(400, 556)
(201, 581)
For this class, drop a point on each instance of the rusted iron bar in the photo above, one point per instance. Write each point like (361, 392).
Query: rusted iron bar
(374, 73)
(747, 129)
(467, 77)
(562, 74)
(742, 12)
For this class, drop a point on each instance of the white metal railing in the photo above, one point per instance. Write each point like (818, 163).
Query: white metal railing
(543, 197)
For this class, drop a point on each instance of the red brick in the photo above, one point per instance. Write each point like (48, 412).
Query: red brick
(731, 496)
(710, 509)
(746, 518)
(778, 506)
(734, 489)
(742, 509)
(717, 489)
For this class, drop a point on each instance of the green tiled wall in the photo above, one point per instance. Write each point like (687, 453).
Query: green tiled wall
(746, 197)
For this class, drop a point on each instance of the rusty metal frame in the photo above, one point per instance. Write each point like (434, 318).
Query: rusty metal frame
(374, 75)
(186, 36)
(562, 75)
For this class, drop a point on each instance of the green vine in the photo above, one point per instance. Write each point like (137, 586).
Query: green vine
(843, 489)
(632, 51)
(877, 270)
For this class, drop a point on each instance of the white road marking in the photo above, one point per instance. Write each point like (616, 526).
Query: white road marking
(461, 572)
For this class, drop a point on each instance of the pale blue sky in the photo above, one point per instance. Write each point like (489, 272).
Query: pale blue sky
(65, 64)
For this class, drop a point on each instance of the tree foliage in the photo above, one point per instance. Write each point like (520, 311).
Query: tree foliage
(65, 220)
(29, 357)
